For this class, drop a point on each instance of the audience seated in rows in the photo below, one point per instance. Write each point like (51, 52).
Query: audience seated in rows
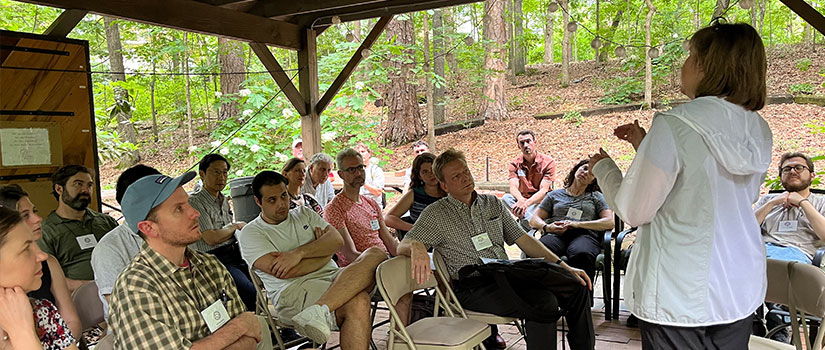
(120, 245)
(291, 251)
(168, 297)
(26, 323)
(373, 187)
(318, 183)
(571, 221)
(295, 170)
(418, 147)
(217, 225)
(71, 232)
(466, 226)
(53, 287)
(531, 176)
(424, 189)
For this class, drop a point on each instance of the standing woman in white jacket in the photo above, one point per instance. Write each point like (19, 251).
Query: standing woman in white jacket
(697, 271)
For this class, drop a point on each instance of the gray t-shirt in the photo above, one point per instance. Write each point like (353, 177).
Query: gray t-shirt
(557, 204)
(449, 226)
(803, 237)
(111, 255)
(259, 238)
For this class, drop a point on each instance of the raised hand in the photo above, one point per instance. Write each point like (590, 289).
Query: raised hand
(632, 133)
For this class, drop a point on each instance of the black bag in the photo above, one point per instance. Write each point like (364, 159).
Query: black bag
(529, 285)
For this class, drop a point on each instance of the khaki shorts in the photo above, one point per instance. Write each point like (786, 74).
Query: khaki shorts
(303, 293)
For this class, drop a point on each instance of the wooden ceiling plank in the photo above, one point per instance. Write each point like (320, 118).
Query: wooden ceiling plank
(65, 23)
(283, 81)
(276, 8)
(385, 8)
(356, 58)
(192, 16)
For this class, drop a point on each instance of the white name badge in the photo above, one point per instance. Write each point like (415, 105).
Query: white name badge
(482, 241)
(215, 316)
(574, 214)
(788, 226)
(521, 172)
(87, 241)
(374, 225)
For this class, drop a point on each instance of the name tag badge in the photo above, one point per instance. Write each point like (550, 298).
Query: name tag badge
(521, 172)
(374, 225)
(788, 226)
(574, 214)
(87, 241)
(215, 316)
(482, 241)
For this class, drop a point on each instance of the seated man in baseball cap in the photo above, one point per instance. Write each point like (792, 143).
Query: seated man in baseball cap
(169, 296)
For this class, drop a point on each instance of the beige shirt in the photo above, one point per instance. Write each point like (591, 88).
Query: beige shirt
(803, 237)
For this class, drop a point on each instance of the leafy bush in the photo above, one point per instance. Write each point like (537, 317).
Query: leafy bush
(574, 117)
(802, 88)
(803, 64)
(622, 90)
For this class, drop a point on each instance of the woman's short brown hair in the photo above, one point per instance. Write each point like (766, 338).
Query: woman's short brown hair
(732, 57)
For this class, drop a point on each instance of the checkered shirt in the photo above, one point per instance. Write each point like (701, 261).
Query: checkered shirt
(448, 226)
(215, 214)
(156, 304)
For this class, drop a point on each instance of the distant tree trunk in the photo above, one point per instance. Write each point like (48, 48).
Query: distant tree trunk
(511, 48)
(449, 28)
(697, 17)
(721, 5)
(648, 61)
(152, 97)
(123, 104)
(427, 68)
(438, 67)
(596, 56)
(404, 119)
(565, 45)
(549, 21)
(494, 103)
(605, 43)
(356, 30)
(762, 9)
(188, 91)
(519, 59)
(231, 58)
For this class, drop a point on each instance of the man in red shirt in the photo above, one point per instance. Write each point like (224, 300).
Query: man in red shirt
(531, 177)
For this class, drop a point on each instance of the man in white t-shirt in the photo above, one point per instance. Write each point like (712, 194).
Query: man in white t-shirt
(291, 251)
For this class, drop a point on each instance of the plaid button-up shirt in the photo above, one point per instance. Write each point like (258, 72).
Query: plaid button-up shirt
(215, 214)
(157, 304)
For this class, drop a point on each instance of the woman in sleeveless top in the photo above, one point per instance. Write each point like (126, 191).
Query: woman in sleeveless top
(295, 172)
(424, 190)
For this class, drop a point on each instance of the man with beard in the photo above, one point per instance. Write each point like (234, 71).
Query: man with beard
(531, 177)
(170, 296)
(793, 220)
(291, 251)
(72, 230)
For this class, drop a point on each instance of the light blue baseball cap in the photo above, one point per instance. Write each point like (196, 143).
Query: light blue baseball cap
(149, 192)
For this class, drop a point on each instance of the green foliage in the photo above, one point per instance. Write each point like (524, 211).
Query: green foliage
(803, 64)
(622, 90)
(574, 117)
(801, 88)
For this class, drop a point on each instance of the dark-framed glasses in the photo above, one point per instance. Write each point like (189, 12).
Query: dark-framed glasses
(798, 168)
(356, 168)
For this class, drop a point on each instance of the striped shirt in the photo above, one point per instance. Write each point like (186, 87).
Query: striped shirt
(449, 225)
(215, 214)
(157, 304)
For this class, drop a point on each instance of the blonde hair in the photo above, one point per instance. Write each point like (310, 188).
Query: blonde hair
(445, 158)
(732, 57)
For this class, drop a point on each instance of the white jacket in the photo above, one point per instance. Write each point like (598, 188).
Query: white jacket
(699, 259)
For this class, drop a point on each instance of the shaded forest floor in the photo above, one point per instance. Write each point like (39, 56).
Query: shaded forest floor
(567, 140)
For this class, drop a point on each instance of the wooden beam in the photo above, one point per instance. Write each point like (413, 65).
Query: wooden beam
(353, 62)
(808, 13)
(275, 8)
(385, 8)
(308, 84)
(63, 25)
(274, 68)
(192, 16)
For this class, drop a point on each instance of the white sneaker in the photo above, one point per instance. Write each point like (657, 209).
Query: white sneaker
(315, 322)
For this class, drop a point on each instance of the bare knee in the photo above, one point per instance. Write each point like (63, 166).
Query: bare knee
(375, 253)
(357, 306)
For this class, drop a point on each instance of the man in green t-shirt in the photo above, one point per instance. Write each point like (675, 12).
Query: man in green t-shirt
(72, 230)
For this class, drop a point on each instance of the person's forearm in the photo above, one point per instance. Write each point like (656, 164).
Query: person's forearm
(243, 343)
(389, 241)
(535, 249)
(74, 284)
(396, 223)
(407, 245)
(816, 218)
(537, 222)
(602, 224)
(536, 197)
(762, 212)
(218, 236)
(326, 245)
(375, 191)
(307, 266)
(222, 338)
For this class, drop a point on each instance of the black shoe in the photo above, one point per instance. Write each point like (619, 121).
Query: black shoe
(289, 334)
(782, 336)
(495, 343)
(632, 321)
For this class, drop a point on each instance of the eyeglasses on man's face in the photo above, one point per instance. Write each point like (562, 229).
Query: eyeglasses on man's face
(354, 169)
(798, 168)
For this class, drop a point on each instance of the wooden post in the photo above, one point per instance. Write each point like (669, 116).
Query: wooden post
(308, 86)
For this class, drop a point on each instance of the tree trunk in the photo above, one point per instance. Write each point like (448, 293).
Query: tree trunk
(596, 56)
(511, 48)
(565, 45)
(697, 18)
(519, 59)
(438, 67)
(606, 43)
(721, 5)
(549, 21)
(231, 58)
(449, 28)
(404, 119)
(123, 104)
(762, 9)
(494, 102)
(429, 81)
(574, 42)
(152, 102)
(356, 30)
(188, 91)
(648, 61)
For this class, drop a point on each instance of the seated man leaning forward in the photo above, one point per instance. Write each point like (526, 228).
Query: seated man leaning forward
(466, 226)
(792, 221)
(172, 297)
(531, 176)
(291, 251)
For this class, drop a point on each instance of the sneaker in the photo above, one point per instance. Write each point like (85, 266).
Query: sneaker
(315, 322)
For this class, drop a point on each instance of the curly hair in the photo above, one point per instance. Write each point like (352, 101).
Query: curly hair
(571, 176)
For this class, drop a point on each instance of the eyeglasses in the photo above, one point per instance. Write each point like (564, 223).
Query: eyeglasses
(798, 168)
(351, 170)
